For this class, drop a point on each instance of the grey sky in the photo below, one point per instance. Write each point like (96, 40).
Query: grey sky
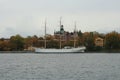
(26, 17)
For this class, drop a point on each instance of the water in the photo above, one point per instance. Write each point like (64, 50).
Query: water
(60, 66)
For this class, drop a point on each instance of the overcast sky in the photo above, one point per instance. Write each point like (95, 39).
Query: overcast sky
(26, 17)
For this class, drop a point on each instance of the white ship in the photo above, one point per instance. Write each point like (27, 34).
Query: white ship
(60, 50)
(63, 50)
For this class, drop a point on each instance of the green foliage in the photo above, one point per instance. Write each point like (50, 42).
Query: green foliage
(52, 44)
(17, 42)
(69, 43)
(89, 42)
(98, 48)
(112, 40)
(80, 34)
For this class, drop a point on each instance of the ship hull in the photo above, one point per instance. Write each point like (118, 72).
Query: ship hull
(71, 50)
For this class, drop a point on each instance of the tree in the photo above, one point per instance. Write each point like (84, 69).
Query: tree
(28, 42)
(89, 41)
(80, 34)
(52, 44)
(2, 45)
(34, 40)
(80, 38)
(112, 40)
(17, 42)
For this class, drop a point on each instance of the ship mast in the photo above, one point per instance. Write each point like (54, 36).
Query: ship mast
(60, 32)
(45, 34)
(75, 36)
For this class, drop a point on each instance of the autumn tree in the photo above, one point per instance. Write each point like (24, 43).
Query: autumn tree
(4, 44)
(89, 41)
(34, 40)
(28, 42)
(80, 38)
(112, 40)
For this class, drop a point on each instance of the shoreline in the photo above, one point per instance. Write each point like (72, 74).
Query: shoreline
(99, 51)
(87, 52)
(16, 51)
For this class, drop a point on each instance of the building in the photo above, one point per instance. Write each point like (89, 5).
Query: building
(65, 35)
(5, 39)
(99, 42)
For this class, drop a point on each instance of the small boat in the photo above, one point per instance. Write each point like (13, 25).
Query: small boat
(60, 50)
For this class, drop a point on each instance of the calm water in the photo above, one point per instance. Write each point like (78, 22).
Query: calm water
(60, 66)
